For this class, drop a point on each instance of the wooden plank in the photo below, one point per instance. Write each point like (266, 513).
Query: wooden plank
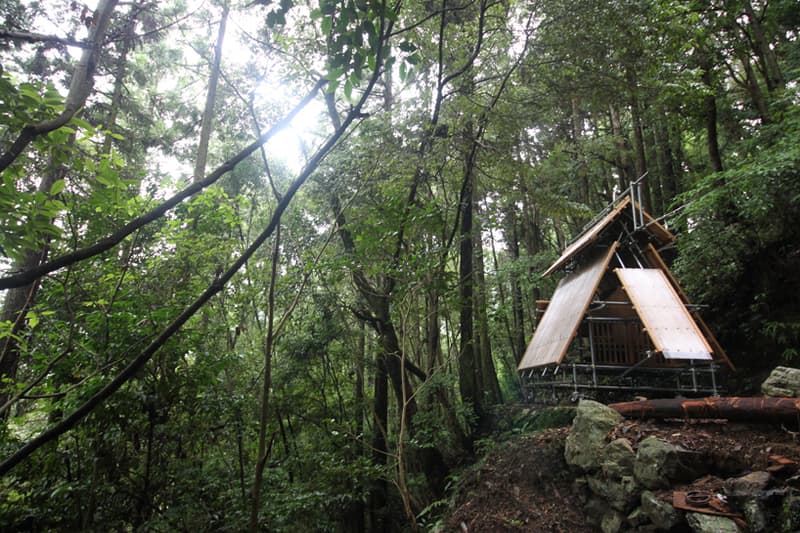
(588, 237)
(657, 261)
(563, 316)
(666, 320)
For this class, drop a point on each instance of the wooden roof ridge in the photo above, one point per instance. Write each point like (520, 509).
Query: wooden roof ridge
(595, 228)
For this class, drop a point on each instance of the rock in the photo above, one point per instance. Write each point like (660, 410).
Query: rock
(654, 461)
(637, 518)
(587, 438)
(657, 462)
(580, 488)
(706, 523)
(618, 459)
(783, 382)
(594, 510)
(747, 487)
(621, 494)
(611, 522)
(662, 514)
(755, 517)
(790, 513)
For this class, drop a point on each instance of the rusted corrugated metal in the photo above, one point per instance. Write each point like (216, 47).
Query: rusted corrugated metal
(560, 322)
(673, 331)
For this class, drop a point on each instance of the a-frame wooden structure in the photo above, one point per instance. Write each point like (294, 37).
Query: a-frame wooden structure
(619, 321)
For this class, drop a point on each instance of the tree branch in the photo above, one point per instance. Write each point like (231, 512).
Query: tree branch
(30, 37)
(25, 277)
(140, 360)
(78, 90)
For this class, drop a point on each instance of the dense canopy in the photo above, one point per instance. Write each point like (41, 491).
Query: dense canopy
(271, 264)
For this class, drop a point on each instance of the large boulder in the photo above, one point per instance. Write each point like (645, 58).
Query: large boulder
(655, 460)
(706, 523)
(783, 382)
(587, 438)
(659, 462)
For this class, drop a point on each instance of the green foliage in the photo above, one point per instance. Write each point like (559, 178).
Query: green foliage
(740, 253)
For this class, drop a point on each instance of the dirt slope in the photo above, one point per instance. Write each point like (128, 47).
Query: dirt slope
(524, 484)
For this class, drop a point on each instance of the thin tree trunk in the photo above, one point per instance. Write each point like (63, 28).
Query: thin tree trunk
(710, 109)
(669, 180)
(624, 165)
(638, 140)
(379, 492)
(467, 355)
(754, 89)
(487, 372)
(267, 384)
(211, 98)
(764, 51)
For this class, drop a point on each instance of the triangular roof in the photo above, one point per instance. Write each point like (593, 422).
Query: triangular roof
(654, 294)
(596, 228)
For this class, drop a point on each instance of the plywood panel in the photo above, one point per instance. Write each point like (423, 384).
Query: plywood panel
(718, 353)
(588, 237)
(666, 320)
(564, 313)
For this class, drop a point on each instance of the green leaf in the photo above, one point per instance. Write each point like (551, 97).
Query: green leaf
(57, 187)
(32, 318)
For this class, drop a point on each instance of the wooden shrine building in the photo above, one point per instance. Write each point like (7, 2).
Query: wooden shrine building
(619, 321)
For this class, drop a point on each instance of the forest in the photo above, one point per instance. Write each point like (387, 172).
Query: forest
(270, 265)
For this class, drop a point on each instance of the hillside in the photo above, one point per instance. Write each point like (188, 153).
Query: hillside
(525, 484)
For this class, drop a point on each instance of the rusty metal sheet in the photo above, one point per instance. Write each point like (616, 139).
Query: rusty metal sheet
(589, 236)
(560, 322)
(666, 320)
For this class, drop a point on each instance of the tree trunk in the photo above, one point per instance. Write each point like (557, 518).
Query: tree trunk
(518, 309)
(638, 141)
(710, 110)
(467, 354)
(765, 53)
(624, 165)
(754, 89)
(378, 495)
(669, 179)
(487, 374)
(211, 98)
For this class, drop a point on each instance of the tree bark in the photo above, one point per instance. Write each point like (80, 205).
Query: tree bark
(638, 140)
(624, 165)
(467, 353)
(487, 372)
